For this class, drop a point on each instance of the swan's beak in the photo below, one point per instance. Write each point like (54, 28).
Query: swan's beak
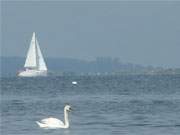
(70, 109)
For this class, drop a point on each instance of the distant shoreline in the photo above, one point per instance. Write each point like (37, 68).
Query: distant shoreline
(101, 66)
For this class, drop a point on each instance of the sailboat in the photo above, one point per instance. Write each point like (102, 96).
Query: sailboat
(34, 64)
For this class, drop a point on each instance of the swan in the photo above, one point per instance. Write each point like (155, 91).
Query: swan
(53, 123)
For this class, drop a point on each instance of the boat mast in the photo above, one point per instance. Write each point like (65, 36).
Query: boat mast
(36, 51)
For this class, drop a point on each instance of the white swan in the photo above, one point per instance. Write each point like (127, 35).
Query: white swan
(53, 123)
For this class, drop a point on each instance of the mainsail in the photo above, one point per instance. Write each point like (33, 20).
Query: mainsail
(34, 58)
(31, 55)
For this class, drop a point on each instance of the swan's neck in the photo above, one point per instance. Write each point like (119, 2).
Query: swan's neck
(66, 120)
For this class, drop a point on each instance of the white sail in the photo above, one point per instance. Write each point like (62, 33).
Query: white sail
(34, 64)
(31, 60)
(41, 63)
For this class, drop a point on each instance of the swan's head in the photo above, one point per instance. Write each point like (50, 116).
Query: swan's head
(68, 108)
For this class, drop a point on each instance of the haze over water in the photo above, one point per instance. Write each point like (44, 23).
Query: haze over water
(140, 32)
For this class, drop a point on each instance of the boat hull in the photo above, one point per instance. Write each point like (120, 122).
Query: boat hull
(32, 73)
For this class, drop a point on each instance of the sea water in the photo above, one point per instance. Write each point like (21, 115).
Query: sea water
(102, 105)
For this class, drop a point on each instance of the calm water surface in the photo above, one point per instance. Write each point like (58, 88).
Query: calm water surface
(109, 105)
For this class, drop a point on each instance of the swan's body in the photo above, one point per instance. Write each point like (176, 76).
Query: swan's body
(53, 123)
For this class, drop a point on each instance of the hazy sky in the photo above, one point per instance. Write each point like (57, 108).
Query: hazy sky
(146, 33)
